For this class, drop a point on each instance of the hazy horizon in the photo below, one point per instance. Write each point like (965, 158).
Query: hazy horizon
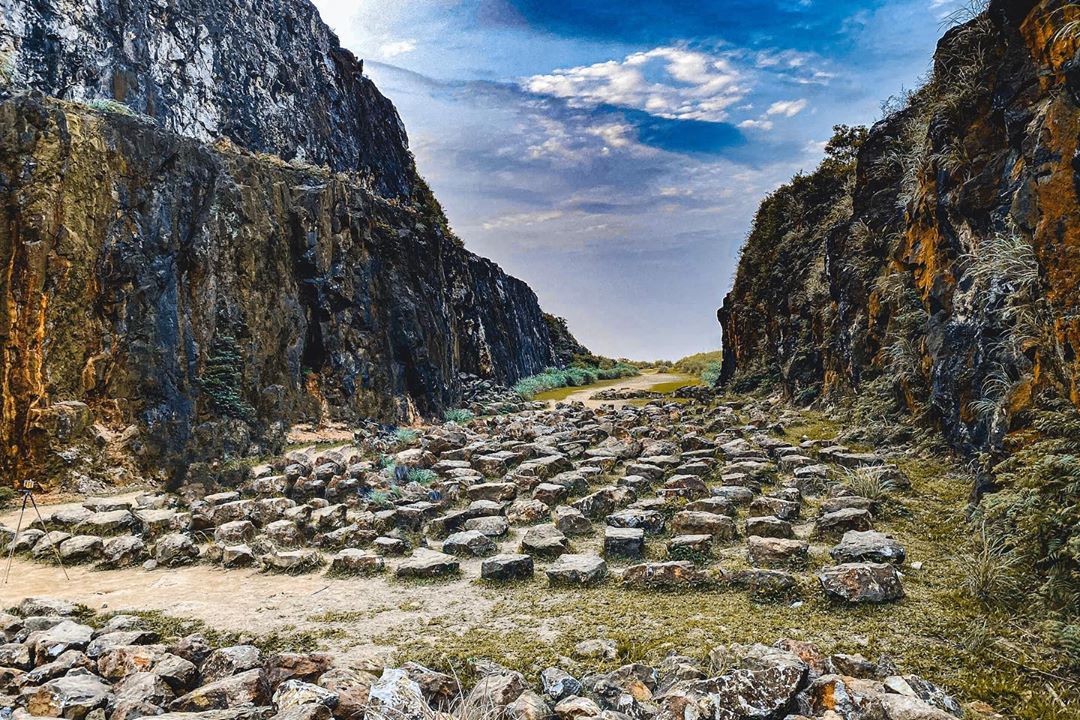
(612, 154)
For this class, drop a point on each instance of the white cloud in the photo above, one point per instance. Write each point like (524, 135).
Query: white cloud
(522, 219)
(398, 47)
(667, 82)
(787, 108)
(756, 125)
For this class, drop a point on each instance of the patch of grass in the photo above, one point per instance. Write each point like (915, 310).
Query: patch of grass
(673, 385)
(422, 476)
(872, 486)
(814, 426)
(458, 415)
(573, 376)
(991, 570)
(118, 108)
(406, 435)
(168, 627)
(560, 394)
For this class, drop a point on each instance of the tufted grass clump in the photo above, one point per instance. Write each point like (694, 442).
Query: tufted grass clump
(406, 435)
(421, 476)
(459, 416)
(868, 484)
(991, 570)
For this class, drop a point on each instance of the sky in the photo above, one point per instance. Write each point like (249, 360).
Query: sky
(612, 153)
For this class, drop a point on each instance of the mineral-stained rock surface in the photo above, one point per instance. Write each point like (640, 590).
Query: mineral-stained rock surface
(184, 300)
(888, 270)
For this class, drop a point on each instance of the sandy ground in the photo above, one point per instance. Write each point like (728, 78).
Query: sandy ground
(638, 382)
(250, 602)
(247, 601)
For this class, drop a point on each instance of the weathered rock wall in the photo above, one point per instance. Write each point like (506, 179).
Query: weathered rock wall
(267, 74)
(210, 296)
(942, 267)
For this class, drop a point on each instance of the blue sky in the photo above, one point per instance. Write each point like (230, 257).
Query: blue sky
(612, 154)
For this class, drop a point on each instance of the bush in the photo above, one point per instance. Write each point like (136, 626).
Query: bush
(1036, 510)
(458, 415)
(118, 108)
(573, 376)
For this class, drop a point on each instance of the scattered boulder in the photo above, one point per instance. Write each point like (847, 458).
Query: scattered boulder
(577, 570)
(859, 583)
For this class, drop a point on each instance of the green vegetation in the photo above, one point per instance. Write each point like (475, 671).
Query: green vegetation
(406, 435)
(1032, 523)
(458, 415)
(940, 630)
(422, 476)
(169, 628)
(117, 108)
(573, 376)
(222, 378)
(699, 363)
(673, 385)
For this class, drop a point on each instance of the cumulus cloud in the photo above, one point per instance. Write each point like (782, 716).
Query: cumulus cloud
(756, 125)
(666, 82)
(787, 108)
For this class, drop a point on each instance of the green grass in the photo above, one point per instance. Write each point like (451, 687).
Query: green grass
(560, 394)
(938, 631)
(673, 385)
(573, 376)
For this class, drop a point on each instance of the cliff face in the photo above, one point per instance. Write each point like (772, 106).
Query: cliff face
(267, 74)
(934, 262)
(190, 300)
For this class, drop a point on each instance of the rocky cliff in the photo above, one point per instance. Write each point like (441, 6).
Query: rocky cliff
(267, 74)
(243, 243)
(933, 261)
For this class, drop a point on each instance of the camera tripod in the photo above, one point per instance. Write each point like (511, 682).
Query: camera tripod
(27, 491)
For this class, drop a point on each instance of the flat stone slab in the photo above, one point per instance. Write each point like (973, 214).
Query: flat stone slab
(545, 541)
(868, 546)
(651, 521)
(776, 552)
(769, 526)
(577, 570)
(720, 527)
(356, 562)
(840, 521)
(428, 564)
(469, 543)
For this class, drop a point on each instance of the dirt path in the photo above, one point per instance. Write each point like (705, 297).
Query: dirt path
(360, 610)
(247, 601)
(637, 382)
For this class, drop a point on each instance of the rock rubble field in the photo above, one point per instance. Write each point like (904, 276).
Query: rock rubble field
(689, 497)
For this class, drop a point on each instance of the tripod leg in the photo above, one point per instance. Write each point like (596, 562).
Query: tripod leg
(18, 527)
(56, 547)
